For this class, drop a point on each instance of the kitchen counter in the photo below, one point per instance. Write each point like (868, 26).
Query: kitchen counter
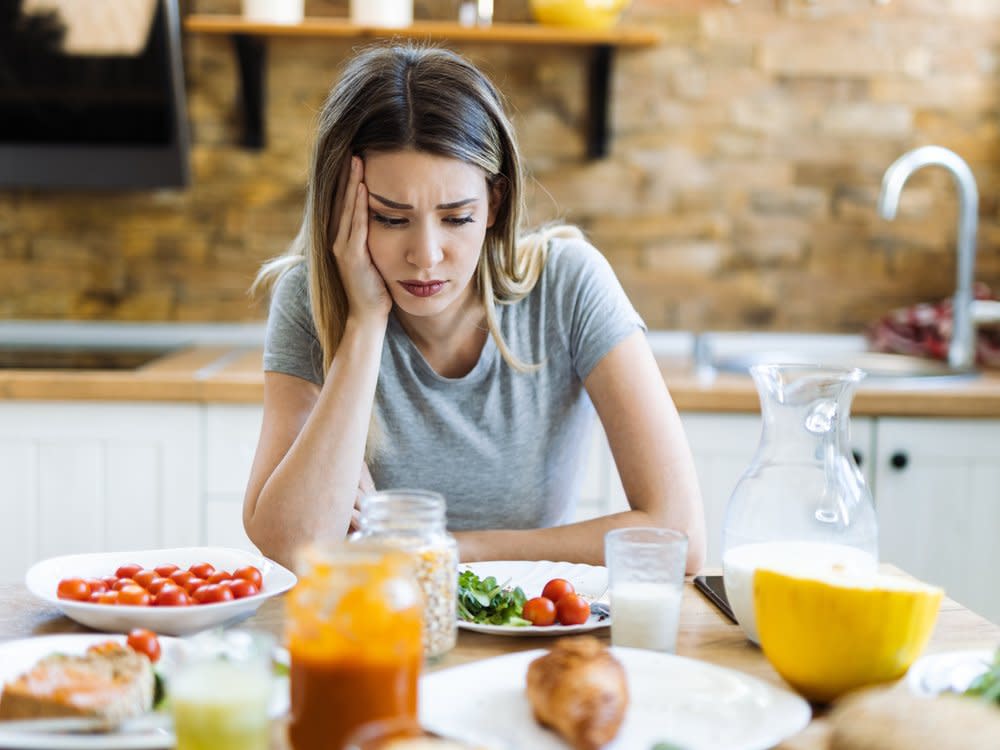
(232, 374)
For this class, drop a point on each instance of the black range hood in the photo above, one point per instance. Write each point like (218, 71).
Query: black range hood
(96, 119)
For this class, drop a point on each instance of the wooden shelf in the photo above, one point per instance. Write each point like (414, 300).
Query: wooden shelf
(250, 37)
(509, 33)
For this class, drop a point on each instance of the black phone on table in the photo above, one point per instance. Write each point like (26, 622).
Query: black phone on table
(715, 591)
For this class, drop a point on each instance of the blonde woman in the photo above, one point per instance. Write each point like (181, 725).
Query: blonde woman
(415, 340)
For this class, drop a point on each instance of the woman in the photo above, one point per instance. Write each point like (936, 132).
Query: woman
(415, 341)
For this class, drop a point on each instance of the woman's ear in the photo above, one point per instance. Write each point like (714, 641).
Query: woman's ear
(498, 193)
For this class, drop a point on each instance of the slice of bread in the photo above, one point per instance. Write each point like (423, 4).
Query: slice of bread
(110, 681)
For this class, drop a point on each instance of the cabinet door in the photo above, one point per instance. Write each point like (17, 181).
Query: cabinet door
(231, 435)
(938, 501)
(89, 477)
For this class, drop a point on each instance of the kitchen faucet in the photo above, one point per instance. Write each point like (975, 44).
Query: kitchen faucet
(962, 348)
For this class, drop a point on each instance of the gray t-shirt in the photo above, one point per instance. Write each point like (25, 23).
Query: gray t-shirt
(503, 447)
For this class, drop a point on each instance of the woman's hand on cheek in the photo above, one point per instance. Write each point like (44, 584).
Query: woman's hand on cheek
(367, 294)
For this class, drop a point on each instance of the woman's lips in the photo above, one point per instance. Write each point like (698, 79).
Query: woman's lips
(422, 288)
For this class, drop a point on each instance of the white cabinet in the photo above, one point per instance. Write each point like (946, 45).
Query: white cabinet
(87, 477)
(231, 433)
(938, 501)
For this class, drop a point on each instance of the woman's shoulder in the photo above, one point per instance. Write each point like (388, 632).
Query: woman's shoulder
(572, 258)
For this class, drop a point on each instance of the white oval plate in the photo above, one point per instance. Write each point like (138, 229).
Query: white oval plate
(17, 657)
(951, 671)
(42, 580)
(590, 582)
(690, 703)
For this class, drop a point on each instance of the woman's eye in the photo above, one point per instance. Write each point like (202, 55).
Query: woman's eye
(459, 220)
(389, 221)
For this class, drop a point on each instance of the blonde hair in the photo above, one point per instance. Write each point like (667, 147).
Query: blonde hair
(390, 98)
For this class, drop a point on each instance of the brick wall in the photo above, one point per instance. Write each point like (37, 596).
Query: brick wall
(746, 156)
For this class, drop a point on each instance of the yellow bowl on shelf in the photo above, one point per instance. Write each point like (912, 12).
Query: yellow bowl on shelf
(582, 14)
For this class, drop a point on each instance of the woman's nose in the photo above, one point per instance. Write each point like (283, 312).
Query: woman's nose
(425, 249)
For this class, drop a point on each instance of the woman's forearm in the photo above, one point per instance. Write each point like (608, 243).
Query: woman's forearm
(581, 542)
(310, 493)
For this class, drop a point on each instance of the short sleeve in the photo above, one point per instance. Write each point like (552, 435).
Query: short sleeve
(290, 342)
(594, 310)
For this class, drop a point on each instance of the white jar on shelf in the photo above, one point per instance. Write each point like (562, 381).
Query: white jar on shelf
(386, 13)
(274, 11)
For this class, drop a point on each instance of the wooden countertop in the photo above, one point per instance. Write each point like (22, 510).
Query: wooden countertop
(704, 634)
(234, 375)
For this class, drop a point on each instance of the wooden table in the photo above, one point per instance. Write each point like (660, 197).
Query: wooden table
(704, 634)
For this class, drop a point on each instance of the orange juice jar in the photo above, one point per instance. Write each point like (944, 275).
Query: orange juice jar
(354, 624)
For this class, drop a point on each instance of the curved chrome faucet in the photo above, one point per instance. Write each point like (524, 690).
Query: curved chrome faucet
(961, 350)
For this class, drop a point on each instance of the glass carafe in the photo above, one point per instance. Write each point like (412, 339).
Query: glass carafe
(802, 504)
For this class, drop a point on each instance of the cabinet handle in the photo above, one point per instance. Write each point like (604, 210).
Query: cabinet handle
(858, 458)
(899, 460)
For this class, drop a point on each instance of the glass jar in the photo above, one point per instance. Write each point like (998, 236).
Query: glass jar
(802, 504)
(413, 521)
(353, 626)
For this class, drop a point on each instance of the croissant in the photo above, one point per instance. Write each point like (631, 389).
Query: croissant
(579, 690)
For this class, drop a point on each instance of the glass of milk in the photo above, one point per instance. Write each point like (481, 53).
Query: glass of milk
(646, 577)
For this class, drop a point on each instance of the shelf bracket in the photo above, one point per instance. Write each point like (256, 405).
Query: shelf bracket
(251, 59)
(598, 97)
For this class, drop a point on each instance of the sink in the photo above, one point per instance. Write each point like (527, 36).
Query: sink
(878, 366)
(77, 357)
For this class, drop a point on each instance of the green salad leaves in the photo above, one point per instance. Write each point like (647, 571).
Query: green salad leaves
(987, 685)
(489, 603)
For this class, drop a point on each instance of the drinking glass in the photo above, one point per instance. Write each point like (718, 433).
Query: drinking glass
(646, 577)
(220, 688)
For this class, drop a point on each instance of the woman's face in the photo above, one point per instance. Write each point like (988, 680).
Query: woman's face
(427, 219)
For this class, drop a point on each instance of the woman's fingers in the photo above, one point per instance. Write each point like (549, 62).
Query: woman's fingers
(359, 223)
(350, 204)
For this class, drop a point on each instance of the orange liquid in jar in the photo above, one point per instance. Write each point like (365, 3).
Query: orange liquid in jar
(354, 636)
(332, 700)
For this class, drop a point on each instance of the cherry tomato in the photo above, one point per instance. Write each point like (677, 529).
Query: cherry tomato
(181, 577)
(134, 595)
(95, 597)
(145, 642)
(123, 582)
(73, 588)
(573, 609)
(250, 573)
(172, 595)
(144, 577)
(540, 611)
(158, 583)
(97, 585)
(110, 581)
(242, 588)
(202, 570)
(108, 597)
(219, 576)
(212, 593)
(557, 588)
(127, 571)
(194, 584)
(164, 571)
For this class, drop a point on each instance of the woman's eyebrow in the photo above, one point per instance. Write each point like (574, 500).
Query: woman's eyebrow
(406, 206)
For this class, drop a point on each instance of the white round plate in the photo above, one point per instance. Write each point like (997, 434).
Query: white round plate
(688, 703)
(590, 582)
(43, 578)
(951, 671)
(18, 656)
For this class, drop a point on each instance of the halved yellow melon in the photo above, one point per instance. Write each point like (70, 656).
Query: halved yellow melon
(829, 634)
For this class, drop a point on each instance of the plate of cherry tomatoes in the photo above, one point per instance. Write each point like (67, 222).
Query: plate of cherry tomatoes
(170, 591)
(560, 596)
